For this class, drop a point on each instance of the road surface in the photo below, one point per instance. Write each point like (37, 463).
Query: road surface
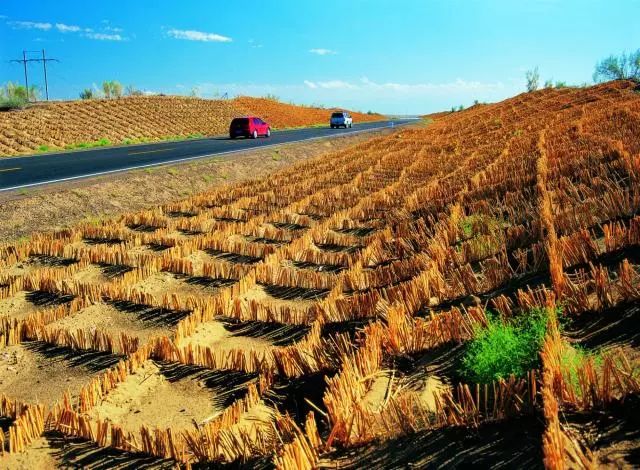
(35, 170)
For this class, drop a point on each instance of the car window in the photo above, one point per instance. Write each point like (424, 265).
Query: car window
(239, 122)
(337, 115)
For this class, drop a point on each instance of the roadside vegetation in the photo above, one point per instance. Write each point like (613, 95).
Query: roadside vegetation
(14, 96)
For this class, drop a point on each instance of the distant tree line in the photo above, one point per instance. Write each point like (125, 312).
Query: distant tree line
(615, 67)
(110, 89)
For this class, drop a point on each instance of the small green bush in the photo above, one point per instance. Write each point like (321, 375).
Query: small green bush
(87, 94)
(505, 348)
(44, 148)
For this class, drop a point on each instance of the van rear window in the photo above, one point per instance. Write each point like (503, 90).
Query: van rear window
(337, 115)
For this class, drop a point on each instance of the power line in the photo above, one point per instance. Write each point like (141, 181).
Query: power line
(24, 61)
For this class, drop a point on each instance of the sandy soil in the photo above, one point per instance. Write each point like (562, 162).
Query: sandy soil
(215, 335)
(259, 293)
(17, 306)
(109, 318)
(433, 386)
(147, 397)
(64, 205)
(92, 274)
(32, 375)
(377, 393)
(38, 456)
(167, 283)
(21, 305)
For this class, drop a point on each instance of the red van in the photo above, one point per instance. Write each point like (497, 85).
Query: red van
(250, 126)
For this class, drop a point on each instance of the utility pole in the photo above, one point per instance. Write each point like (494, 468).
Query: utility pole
(44, 61)
(46, 83)
(26, 77)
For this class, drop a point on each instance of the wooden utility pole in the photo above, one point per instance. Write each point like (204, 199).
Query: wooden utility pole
(44, 61)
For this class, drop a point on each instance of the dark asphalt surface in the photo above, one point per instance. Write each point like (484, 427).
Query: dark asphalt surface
(27, 171)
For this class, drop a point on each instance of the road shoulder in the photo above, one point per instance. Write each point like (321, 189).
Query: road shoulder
(62, 205)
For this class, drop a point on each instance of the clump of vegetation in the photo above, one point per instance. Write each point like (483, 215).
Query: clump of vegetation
(621, 67)
(505, 348)
(132, 91)
(112, 89)
(480, 224)
(86, 145)
(14, 96)
(44, 148)
(557, 84)
(87, 94)
(533, 79)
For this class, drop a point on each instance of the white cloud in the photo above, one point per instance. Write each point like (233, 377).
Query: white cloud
(454, 86)
(331, 85)
(31, 25)
(106, 33)
(191, 35)
(104, 36)
(65, 28)
(321, 51)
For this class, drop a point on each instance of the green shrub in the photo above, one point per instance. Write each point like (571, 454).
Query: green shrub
(624, 66)
(44, 148)
(505, 348)
(87, 94)
(14, 96)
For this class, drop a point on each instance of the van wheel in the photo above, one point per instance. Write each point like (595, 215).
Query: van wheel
(232, 136)
(268, 132)
(254, 135)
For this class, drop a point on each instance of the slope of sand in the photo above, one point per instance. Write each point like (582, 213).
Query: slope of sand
(148, 398)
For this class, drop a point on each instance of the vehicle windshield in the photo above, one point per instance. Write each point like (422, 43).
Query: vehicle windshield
(337, 115)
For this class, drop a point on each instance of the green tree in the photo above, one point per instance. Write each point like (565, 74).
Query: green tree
(87, 94)
(533, 79)
(106, 89)
(622, 67)
(116, 89)
(131, 90)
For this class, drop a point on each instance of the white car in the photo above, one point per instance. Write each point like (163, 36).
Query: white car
(341, 119)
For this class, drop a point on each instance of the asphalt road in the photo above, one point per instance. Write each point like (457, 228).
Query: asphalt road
(35, 170)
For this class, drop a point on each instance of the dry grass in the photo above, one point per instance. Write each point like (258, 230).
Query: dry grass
(349, 285)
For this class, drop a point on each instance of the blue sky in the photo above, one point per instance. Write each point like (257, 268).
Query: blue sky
(402, 56)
